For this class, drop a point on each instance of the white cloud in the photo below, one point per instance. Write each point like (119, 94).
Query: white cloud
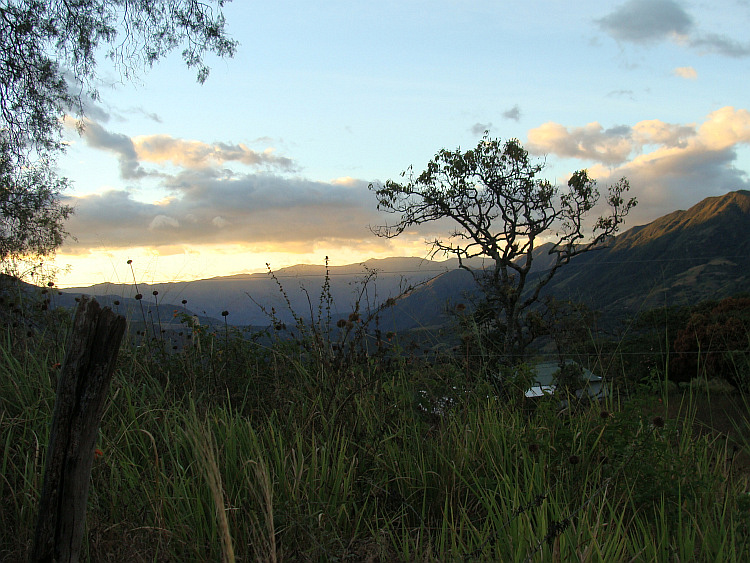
(682, 163)
(657, 132)
(165, 150)
(721, 130)
(685, 72)
(163, 222)
(591, 142)
(162, 149)
(345, 181)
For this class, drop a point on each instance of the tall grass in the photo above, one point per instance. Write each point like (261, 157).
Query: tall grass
(245, 455)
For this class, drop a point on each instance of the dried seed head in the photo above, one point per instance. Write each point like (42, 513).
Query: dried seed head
(341, 323)
(138, 296)
(574, 460)
(658, 422)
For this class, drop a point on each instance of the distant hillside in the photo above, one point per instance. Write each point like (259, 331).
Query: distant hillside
(681, 258)
(242, 294)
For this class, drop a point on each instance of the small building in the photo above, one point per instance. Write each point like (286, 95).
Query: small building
(545, 382)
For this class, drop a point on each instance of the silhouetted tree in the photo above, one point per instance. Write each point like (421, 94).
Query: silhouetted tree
(503, 212)
(48, 56)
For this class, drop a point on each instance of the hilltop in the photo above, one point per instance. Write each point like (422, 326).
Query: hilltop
(680, 258)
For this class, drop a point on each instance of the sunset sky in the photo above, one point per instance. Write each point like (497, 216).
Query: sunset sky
(269, 160)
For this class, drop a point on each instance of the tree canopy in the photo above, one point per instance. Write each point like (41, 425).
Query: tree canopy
(49, 50)
(503, 211)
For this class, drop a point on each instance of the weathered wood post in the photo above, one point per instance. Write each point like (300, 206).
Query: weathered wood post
(82, 390)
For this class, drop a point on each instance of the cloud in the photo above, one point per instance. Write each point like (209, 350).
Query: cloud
(122, 146)
(163, 222)
(650, 21)
(156, 118)
(592, 142)
(513, 113)
(725, 128)
(345, 181)
(621, 93)
(480, 128)
(685, 72)
(646, 21)
(613, 146)
(666, 164)
(164, 150)
(219, 222)
(212, 208)
(714, 43)
(657, 132)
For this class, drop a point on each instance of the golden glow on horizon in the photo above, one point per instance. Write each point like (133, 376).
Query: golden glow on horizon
(153, 266)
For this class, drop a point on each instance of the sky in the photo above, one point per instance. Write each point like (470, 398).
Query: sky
(270, 160)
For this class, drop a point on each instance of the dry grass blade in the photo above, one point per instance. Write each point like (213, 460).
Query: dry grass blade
(202, 440)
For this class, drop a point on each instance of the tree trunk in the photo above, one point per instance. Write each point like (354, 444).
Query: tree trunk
(82, 391)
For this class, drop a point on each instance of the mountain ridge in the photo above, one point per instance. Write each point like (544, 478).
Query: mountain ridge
(681, 257)
(678, 259)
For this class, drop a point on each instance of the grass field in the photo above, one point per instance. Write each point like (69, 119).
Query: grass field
(229, 450)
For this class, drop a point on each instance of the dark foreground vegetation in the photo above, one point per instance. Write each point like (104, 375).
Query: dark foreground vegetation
(339, 446)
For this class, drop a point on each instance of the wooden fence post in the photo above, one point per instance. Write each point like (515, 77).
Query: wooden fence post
(82, 390)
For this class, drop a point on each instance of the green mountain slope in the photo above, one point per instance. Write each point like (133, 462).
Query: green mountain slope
(681, 258)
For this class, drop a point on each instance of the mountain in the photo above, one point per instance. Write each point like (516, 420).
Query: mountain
(681, 258)
(245, 296)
